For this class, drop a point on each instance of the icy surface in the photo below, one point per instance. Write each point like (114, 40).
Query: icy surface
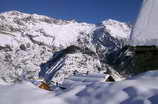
(145, 31)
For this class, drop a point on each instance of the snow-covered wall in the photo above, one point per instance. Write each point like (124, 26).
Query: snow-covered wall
(145, 31)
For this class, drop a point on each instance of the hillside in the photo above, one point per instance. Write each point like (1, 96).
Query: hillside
(28, 40)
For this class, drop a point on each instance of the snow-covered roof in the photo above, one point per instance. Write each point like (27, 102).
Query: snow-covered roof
(92, 77)
(145, 31)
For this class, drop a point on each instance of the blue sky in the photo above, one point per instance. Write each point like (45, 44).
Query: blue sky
(91, 11)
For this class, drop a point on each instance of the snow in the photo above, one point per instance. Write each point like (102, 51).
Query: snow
(86, 78)
(117, 29)
(132, 91)
(41, 31)
(7, 39)
(42, 36)
(145, 31)
(79, 62)
(141, 89)
(27, 93)
(50, 31)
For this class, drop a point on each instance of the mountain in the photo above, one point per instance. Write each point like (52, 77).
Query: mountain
(28, 41)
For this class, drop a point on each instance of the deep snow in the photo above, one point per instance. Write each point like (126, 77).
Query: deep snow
(141, 89)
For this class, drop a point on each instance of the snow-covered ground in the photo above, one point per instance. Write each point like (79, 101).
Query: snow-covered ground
(141, 89)
(27, 93)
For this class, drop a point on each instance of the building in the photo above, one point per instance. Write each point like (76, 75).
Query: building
(144, 38)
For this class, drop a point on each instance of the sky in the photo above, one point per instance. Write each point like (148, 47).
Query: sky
(91, 11)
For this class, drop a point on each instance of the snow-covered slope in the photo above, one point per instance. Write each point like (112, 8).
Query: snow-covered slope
(39, 29)
(28, 40)
(117, 29)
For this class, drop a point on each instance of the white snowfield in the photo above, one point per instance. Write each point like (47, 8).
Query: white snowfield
(141, 89)
(145, 31)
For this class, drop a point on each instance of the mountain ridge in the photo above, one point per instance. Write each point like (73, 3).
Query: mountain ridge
(28, 40)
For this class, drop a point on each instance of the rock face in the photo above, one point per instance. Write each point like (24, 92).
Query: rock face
(28, 40)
